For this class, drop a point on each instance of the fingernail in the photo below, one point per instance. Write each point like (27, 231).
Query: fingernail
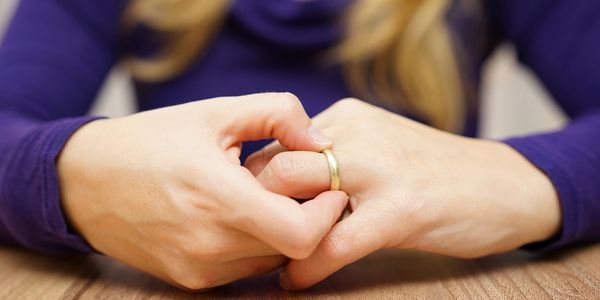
(284, 281)
(318, 137)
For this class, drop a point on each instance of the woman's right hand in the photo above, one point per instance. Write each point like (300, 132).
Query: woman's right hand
(164, 192)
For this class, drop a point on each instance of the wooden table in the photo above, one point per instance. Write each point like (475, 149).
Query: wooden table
(388, 274)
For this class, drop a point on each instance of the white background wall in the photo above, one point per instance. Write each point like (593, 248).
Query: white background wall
(513, 100)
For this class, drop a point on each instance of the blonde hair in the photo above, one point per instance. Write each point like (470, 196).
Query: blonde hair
(397, 51)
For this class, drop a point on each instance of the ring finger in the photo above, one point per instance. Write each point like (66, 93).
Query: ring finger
(298, 174)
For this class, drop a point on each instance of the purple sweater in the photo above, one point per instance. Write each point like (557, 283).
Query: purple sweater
(56, 54)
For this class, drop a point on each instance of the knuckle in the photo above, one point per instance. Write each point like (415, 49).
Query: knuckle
(303, 243)
(283, 169)
(473, 255)
(288, 104)
(196, 282)
(180, 272)
(350, 108)
(350, 101)
(349, 104)
(184, 270)
(302, 248)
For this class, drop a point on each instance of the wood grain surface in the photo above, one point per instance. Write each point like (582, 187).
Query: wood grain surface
(388, 274)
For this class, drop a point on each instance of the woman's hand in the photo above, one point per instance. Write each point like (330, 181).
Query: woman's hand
(411, 186)
(163, 191)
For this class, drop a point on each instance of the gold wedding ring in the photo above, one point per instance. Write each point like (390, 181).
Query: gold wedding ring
(334, 172)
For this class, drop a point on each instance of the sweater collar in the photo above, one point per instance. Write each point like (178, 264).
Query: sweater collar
(302, 24)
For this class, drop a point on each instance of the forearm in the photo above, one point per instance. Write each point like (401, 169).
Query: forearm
(571, 160)
(54, 57)
(29, 191)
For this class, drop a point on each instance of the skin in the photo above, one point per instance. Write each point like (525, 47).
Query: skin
(164, 192)
(411, 187)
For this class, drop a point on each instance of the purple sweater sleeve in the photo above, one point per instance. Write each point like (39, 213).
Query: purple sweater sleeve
(53, 59)
(560, 41)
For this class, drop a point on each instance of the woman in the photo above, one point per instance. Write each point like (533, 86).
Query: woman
(164, 191)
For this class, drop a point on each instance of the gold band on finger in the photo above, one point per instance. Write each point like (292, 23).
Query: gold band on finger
(334, 172)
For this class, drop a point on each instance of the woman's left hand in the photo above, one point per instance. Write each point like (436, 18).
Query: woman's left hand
(411, 186)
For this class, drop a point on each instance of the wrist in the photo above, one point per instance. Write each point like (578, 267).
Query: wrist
(73, 172)
(539, 208)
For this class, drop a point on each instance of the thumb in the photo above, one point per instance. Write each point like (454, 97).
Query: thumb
(351, 239)
(270, 115)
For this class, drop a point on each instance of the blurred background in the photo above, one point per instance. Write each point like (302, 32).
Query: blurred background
(514, 102)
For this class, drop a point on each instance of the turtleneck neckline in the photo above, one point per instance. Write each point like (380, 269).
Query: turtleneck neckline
(300, 24)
